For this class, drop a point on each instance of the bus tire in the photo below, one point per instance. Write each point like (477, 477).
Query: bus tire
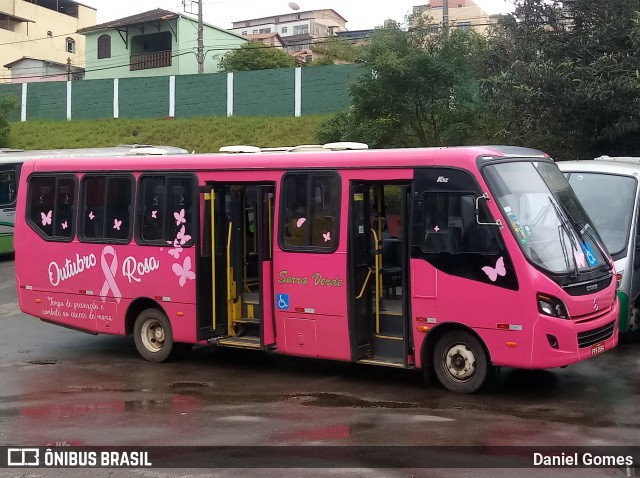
(460, 362)
(632, 335)
(153, 336)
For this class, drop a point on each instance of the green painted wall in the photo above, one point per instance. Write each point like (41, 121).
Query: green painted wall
(118, 65)
(264, 92)
(144, 97)
(15, 90)
(201, 95)
(216, 42)
(319, 81)
(92, 99)
(47, 101)
(184, 43)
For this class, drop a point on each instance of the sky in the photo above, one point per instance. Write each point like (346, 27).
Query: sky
(361, 14)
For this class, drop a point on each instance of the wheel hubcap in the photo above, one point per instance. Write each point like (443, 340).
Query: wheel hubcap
(153, 335)
(460, 362)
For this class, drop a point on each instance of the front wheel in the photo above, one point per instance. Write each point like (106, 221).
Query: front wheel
(460, 362)
(153, 336)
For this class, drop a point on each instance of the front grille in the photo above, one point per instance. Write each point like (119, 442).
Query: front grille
(593, 336)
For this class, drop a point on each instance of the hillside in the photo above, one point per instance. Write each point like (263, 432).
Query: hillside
(196, 134)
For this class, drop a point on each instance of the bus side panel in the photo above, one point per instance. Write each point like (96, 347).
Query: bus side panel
(90, 286)
(479, 306)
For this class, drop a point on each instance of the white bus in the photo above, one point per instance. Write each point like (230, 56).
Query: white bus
(608, 189)
(11, 162)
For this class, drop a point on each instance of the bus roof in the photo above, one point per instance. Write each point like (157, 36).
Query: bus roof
(11, 156)
(627, 168)
(464, 156)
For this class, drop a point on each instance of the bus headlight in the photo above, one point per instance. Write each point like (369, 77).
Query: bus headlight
(619, 279)
(549, 305)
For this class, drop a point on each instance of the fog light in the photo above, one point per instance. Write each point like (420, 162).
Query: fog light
(553, 341)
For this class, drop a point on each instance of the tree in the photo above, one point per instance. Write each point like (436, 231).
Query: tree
(564, 77)
(334, 50)
(418, 88)
(256, 56)
(8, 103)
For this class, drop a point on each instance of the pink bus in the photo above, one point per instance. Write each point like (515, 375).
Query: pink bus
(451, 260)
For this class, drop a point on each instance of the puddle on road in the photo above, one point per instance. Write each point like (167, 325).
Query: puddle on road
(187, 385)
(336, 400)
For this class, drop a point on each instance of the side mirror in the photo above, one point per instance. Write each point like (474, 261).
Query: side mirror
(485, 197)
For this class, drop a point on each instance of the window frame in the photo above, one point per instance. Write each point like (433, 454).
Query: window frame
(70, 45)
(104, 46)
(74, 213)
(192, 230)
(282, 223)
(82, 217)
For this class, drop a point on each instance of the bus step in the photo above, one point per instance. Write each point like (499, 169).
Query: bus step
(252, 298)
(389, 346)
(240, 342)
(391, 325)
(247, 321)
(385, 362)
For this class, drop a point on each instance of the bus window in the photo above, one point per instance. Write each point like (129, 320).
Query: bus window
(311, 202)
(7, 187)
(51, 206)
(450, 226)
(166, 210)
(106, 208)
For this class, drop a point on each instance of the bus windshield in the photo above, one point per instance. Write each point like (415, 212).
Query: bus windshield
(594, 191)
(7, 187)
(545, 217)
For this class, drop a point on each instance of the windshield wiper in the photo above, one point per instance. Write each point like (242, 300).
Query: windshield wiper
(566, 226)
(589, 230)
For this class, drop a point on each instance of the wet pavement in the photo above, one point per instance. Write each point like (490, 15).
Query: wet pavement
(64, 387)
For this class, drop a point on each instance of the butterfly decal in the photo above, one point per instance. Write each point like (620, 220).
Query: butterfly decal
(91, 215)
(179, 217)
(65, 225)
(177, 248)
(494, 272)
(182, 237)
(184, 271)
(46, 218)
(327, 236)
(300, 222)
(117, 224)
(154, 214)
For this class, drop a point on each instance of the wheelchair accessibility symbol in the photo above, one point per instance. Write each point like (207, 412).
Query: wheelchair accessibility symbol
(282, 301)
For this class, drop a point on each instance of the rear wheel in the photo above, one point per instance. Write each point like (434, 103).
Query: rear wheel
(153, 336)
(460, 362)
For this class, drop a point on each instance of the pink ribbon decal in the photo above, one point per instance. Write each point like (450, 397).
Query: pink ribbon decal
(109, 274)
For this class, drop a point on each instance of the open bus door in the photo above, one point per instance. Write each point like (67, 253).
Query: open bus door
(239, 232)
(379, 281)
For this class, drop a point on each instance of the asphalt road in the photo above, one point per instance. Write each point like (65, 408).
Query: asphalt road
(62, 387)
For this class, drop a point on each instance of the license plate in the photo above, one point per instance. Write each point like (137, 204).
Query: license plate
(597, 348)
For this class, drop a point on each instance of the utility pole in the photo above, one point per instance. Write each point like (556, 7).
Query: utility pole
(200, 39)
(445, 16)
(68, 68)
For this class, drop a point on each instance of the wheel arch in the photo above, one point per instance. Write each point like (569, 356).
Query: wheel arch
(137, 306)
(430, 340)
